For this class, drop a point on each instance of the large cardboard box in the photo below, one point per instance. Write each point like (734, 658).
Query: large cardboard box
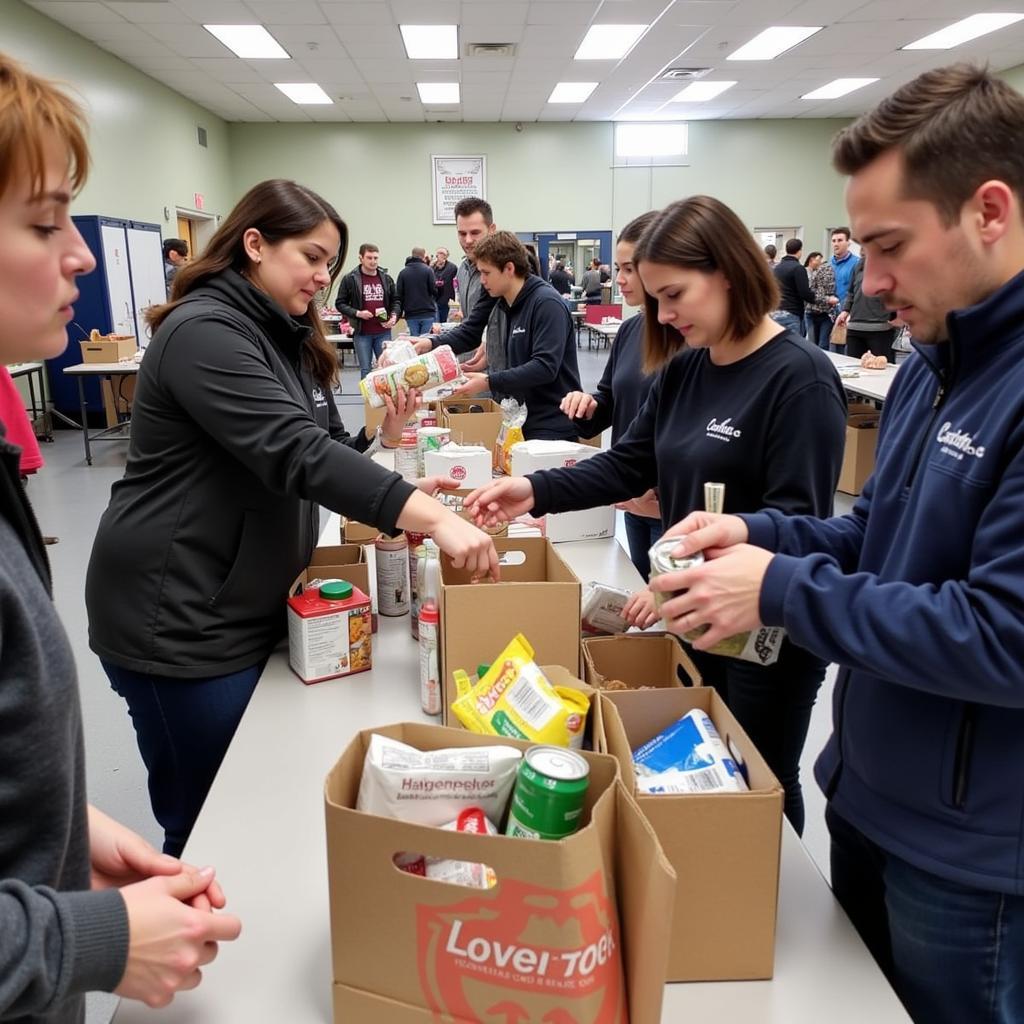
(859, 456)
(110, 348)
(538, 596)
(472, 427)
(587, 524)
(638, 660)
(354, 532)
(723, 846)
(536, 946)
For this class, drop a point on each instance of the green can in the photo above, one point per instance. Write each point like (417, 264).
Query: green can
(547, 801)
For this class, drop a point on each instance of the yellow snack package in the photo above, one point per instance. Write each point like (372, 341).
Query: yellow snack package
(513, 416)
(514, 698)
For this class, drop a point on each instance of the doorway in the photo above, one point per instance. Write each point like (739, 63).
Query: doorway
(196, 228)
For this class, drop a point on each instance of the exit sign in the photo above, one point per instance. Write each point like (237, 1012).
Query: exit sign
(197, 198)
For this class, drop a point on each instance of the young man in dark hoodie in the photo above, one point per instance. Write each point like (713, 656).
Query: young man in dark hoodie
(918, 593)
(417, 293)
(538, 342)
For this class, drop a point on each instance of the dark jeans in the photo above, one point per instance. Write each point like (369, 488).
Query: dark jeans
(641, 533)
(773, 703)
(953, 954)
(790, 320)
(442, 312)
(878, 343)
(419, 325)
(183, 728)
(819, 329)
(593, 298)
(369, 347)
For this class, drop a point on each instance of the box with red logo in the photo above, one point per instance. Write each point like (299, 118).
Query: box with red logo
(470, 465)
(587, 524)
(575, 930)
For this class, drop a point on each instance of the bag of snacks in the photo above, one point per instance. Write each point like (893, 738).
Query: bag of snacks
(513, 418)
(426, 371)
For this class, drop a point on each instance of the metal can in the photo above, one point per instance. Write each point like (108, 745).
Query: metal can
(392, 555)
(430, 439)
(430, 677)
(662, 561)
(547, 801)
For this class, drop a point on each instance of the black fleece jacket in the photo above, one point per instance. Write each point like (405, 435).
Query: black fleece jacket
(233, 447)
(417, 289)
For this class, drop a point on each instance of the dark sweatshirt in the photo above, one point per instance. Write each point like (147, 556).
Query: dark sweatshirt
(233, 447)
(417, 289)
(58, 940)
(623, 387)
(794, 288)
(444, 282)
(771, 427)
(540, 346)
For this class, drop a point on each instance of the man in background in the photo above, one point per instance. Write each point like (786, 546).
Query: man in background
(175, 257)
(417, 293)
(445, 274)
(794, 288)
(368, 297)
(844, 262)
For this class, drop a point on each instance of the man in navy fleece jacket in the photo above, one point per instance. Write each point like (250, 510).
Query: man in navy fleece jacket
(918, 593)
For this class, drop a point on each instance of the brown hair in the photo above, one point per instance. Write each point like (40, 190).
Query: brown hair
(842, 230)
(31, 110)
(367, 247)
(278, 209)
(500, 248)
(955, 128)
(472, 204)
(631, 233)
(702, 233)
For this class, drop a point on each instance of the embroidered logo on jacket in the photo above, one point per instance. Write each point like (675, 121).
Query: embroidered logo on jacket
(723, 431)
(319, 398)
(958, 443)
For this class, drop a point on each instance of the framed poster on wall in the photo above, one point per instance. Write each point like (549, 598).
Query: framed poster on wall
(455, 178)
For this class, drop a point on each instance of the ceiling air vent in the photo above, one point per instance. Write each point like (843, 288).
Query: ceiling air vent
(490, 49)
(682, 74)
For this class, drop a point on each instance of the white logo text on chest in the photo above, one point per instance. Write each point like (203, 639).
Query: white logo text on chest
(723, 431)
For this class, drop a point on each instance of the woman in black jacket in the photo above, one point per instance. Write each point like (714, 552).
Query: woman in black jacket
(236, 441)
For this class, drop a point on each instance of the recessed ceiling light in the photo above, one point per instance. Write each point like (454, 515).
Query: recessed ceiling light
(431, 42)
(438, 92)
(253, 42)
(571, 92)
(840, 87)
(962, 31)
(773, 41)
(608, 42)
(699, 92)
(303, 92)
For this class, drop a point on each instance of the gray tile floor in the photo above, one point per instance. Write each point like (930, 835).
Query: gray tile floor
(70, 496)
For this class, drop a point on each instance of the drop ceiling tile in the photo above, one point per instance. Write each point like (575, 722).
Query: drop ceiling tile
(143, 12)
(551, 12)
(215, 12)
(417, 12)
(69, 13)
(342, 14)
(188, 40)
(476, 15)
(292, 12)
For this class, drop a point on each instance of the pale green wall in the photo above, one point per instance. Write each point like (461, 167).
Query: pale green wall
(143, 134)
(547, 177)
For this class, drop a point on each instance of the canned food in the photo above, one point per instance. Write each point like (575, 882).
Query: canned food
(662, 561)
(547, 801)
(392, 556)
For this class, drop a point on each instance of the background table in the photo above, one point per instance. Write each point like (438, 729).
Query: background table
(262, 827)
(873, 384)
(34, 374)
(106, 371)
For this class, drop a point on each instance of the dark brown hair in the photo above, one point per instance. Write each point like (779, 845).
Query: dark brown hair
(32, 110)
(702, 233)
(631, 233)
(367, 247)
(955, 127)
(500, 248)
(842, 230)
(278, 209)
(472, 204)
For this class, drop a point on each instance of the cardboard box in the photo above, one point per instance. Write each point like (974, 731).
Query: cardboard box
(469, 464)
(638, 659)
(538, 597)
(587, 524)
(859, 456)
(724, 846)
(353, 532)
(472, 427)
(412, 950)
(110, 348)
(349, 561)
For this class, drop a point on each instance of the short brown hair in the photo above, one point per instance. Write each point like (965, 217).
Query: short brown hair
(367, 247)
(31, 109)
(702, 233)
(955, 128)
(500, 248)
(843, 230)
(473, 204)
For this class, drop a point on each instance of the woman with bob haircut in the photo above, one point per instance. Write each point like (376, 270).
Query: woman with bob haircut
(236, 441)
(738, 400)
(85, 903)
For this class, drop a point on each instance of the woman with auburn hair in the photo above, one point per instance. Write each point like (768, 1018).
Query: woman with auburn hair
(737, 400)
(236, 441)
(85, 903)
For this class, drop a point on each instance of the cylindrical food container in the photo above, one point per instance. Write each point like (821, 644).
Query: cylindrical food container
(430, 439)
(425, 417)
(426, 371)
(401, 350)
(417, 555)
(430, 677)
(407, 457)
(662, 561)
(547, 801)
(392, 555)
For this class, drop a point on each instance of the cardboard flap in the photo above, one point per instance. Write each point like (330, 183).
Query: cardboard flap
(337, 554)
(646, 886)
(615, 742)
(539, 564)
(639, 659)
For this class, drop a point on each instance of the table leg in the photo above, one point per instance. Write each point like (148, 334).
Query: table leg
(85, 419)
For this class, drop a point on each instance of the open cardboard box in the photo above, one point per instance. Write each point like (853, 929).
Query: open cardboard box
(472, 427)
(638, 659)
(412, 950)
(108, 348)
(724, 847)
(859, 455)
(538, 597)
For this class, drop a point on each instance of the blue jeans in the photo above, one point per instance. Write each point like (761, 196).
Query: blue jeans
(183, 728)
(790, 320)
(641, 533)
(442, 312)
(818, 327)
(953, 954)
(419, 325)
(369, 347)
